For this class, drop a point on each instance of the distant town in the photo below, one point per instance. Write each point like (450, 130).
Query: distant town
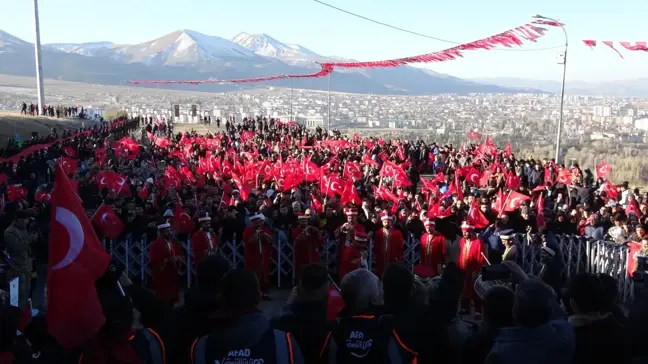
(520, 115)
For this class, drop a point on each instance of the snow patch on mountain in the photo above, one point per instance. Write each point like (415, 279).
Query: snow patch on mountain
(266, 46)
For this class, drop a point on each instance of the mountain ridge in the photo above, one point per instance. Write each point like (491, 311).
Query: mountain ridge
(186, 55)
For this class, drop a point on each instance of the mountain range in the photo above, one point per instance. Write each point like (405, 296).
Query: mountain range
(622, 88)
(190, 55)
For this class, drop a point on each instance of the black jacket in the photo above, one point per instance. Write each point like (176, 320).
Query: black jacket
(307, 322)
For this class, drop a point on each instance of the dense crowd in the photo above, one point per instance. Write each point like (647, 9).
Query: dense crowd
(262, 180)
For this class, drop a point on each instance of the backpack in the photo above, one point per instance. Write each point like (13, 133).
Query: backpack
(366, 339)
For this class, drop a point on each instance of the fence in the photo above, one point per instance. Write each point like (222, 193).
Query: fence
(577, 253)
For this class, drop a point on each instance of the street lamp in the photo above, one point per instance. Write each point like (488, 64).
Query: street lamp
(562, 92)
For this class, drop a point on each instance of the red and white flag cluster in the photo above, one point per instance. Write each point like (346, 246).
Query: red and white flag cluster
(631, 46)
(515, 37)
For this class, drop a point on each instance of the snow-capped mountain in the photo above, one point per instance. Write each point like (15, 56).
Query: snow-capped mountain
(84, 49)
(266, 46)
(184, 47)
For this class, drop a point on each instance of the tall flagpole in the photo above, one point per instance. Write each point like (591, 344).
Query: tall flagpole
(39, 67)
(328, 127)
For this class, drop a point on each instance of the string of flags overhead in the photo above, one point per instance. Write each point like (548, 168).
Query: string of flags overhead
(630, 46)
(514, 37)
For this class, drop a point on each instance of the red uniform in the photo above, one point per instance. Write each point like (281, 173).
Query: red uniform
(471, 260)
(202, 243)
(257, 254)
(388, 248)
(166, 256)
(433, 251)
(306, 249)
(344, 239)
(350, 260)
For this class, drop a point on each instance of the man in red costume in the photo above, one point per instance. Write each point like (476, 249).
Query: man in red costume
(388, 244)
(471, 260)
(166, 257)
(302, 222)
(307, 245)
(345, 232)
(433, 248)
(257, 251)
(355, 255)
(204, 241)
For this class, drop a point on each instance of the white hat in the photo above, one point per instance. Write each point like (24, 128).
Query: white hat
(466, 226)
(257, 217)
(149, 180)
(168, 213)
(166, 225)
(204, 218)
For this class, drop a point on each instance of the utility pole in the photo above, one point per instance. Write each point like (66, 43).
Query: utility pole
(39, 67)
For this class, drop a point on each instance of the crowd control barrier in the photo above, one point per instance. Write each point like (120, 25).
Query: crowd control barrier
(578, 254)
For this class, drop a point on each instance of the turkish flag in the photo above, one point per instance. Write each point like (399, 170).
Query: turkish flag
(564, 177)
(509, 150)
(69, 151)
(603, 169)
(632, 208)
(108, 222)
(43, 196)
(475, 217)
(16, 192)
(473, 177)
(514, 200)
(633, 249)
(350, 194)
(69, 165)
(76, 261)
(182, 223)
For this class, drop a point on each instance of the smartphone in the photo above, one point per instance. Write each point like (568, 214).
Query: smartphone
(495, 272)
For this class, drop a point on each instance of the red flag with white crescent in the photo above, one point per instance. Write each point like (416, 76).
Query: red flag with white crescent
(603, 169)
(76, 261)
(108, 223)
(514, 200)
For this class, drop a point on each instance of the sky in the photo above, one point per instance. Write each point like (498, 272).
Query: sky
(333, 33)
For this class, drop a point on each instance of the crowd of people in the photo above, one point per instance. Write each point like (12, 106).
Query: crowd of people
(58, 111)
(261, 180)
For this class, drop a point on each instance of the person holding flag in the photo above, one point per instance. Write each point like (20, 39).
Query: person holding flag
(257, 251)
(471, 260)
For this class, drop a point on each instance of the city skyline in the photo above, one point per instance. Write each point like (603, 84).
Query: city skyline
(308, 24)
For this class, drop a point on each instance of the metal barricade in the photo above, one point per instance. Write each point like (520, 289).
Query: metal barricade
(577, 253)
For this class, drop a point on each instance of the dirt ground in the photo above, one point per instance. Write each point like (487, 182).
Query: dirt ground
(12, 124)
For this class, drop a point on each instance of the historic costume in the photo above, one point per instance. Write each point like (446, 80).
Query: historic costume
(204, 241)
(388, 244)
(166, 257)
(355, 254)
(308, 241)
(257, 251)
(345, 232)
(433, 248)
(471, 260)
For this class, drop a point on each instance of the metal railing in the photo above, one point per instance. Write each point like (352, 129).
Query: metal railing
(579, 255)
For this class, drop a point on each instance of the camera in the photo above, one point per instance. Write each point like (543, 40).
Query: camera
(495, 272)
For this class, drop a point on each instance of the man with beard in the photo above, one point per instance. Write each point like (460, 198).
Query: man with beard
(388, 244)
(204, 241)
(433, 248)
(166, 256)
(471, 259)
(257, 251)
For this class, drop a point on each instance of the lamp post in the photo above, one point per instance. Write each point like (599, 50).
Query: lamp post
(39, 67)
(562, 92)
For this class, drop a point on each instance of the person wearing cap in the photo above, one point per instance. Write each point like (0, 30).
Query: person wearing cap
(166, 255)
(433, 248)
(471, 260)
(510, 249)
(345, 232)
(257, 251)
(388, 244)
(204, 241)
(307, 242)
(355, 254)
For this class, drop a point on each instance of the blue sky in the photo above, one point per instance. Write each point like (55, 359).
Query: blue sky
(329, 32)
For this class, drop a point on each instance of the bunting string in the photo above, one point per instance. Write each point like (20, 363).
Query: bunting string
(515, 37)
(630, 46)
